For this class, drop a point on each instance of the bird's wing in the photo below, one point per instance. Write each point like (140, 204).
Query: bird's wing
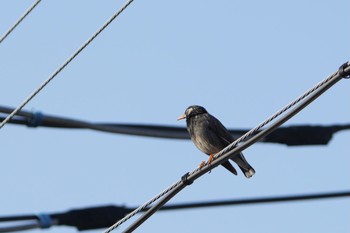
(222, 133)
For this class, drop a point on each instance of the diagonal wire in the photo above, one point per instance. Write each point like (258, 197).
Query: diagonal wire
(228, 152)
(19, 21)
(142, 207)
(54, 74)
(278, 113)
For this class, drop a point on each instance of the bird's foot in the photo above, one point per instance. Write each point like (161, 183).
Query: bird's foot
(211, 158)
(202, 165)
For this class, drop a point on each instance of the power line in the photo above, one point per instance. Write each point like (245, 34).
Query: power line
(19, 21)
(54, 74)
(261, 200)
(295, 135)
(89, 218)
(231, 150)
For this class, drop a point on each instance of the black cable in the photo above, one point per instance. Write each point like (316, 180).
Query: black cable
(291, 135)
(17, 218)
(104, 216)
(264, 200)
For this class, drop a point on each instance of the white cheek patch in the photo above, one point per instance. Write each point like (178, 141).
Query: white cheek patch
(189, 111)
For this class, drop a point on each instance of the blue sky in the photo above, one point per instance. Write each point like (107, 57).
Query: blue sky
(241, 60)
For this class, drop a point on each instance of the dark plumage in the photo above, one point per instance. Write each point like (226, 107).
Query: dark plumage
(210, 136)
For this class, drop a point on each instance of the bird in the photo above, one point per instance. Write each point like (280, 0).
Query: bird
(210, 136)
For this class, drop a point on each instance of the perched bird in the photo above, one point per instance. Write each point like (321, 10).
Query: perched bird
(210, 136)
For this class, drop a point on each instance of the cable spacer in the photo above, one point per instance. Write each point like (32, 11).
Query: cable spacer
(185, 180)
(342, 72)
(45, 220)
(35, 119)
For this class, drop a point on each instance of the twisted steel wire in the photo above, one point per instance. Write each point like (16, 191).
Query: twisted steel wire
(226, 149)
(19, 21)
(54, 74)
(277, 114)
(142, 207)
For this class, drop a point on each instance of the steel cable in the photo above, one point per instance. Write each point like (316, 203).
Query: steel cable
(231, 150)
(19, 21)
(54, 74)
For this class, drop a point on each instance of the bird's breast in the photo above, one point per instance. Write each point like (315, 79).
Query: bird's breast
(201, 136)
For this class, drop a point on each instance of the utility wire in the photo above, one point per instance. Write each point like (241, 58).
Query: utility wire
(231, 150)
(295, 135)
(54, 74)
(103, 216)
(21, 227)
(258, 200)
(19, 21)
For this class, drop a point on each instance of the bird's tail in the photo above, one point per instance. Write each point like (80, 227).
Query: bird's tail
(247, 170)
(229, 167)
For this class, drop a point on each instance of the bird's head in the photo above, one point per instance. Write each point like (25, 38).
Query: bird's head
(192, 111)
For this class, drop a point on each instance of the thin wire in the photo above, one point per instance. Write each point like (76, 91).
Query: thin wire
(257, 200)
(27, 226)
(17, 222)
(19, 21)
(232, 145)
(66, 63)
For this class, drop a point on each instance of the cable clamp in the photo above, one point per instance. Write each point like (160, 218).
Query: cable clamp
(45, 220)
(35, 119)
(342, 73)
(185, 180)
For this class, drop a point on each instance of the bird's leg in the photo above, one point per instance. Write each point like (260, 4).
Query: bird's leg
(211, 158)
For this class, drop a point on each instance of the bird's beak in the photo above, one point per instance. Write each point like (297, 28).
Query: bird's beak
(181, 117)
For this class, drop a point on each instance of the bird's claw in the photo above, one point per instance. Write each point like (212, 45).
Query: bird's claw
(208, 162)
(201, 164)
